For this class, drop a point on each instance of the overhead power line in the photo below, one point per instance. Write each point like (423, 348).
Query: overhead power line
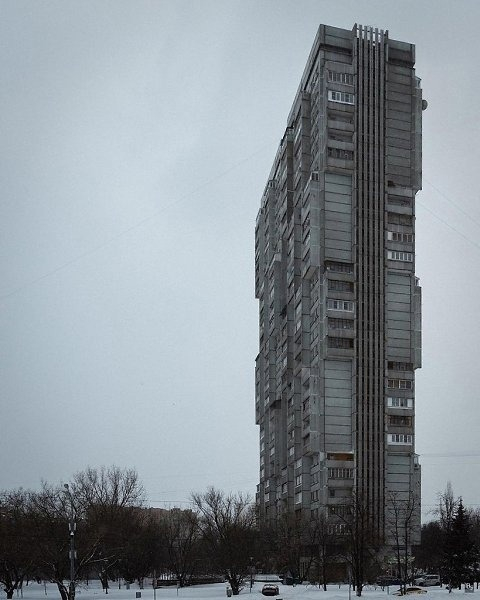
(136, 225)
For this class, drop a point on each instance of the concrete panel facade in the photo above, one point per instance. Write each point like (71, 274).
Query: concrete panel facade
(339, 303)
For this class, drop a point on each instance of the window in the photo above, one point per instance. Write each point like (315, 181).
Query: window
(393, 402)
(337, 528)
(314, 496)
(334, 342)
(341, 136)
(284, 488)
(346, 78)
(399, 200)
(396, 219)
(339, 153)
(399, 420)
(340, 323)
(298, 480)
(395, 236)
(315, 478)
(400, 438)
(298, 498)
(343, 97)
(403, 256)
(399, 366)
(340, 286)
(314, 176)
(340, 473)
(340, 509)
(343, 305)
(399, 384)
(338, 267)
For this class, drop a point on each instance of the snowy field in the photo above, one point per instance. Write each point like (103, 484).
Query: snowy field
(299, 592)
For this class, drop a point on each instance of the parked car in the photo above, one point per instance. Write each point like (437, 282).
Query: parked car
(270, 590)
(426, 580)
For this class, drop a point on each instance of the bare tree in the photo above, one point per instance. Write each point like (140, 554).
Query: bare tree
(15, 555)
(324, 547)
(49, 512)
(108, 500)
(107, 490)
(361, 540)
(295, 542)
(447, 507)
(401, 523)
(142, 552)
(446, 511)
(227, 525)
(181, 535)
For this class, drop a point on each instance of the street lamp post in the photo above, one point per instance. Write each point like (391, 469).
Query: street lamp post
(251, 573)
(71, 528)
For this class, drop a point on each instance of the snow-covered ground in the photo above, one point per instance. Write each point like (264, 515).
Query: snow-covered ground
(299, 592)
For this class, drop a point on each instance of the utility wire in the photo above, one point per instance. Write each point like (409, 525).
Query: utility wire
(136, 225)
(155, 214)
(450, 454)
(465, 237)
(452, 203)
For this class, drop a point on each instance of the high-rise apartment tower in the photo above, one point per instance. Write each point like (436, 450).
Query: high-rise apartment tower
(340, 321)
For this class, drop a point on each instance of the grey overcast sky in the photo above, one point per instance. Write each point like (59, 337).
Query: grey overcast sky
(136, 139)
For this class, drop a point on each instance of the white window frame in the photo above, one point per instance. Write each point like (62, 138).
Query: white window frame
(400, 439)
(340, 305)
(403, 384)
(400, 256)
(402, 403)
(397, 236)
(340, 77)
(341, 97)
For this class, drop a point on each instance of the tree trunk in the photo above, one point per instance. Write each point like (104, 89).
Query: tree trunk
(63, 591)
(234, 584)
(324, 574)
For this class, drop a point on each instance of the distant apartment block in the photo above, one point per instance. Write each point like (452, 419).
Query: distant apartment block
(339, 302)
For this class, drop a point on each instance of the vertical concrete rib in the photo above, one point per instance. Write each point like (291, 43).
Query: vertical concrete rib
(370, 279)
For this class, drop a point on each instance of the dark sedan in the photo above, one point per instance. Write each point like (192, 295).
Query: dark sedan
(270, 590)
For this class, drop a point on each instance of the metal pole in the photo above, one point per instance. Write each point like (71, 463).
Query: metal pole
(251, 573)
(71, 527)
